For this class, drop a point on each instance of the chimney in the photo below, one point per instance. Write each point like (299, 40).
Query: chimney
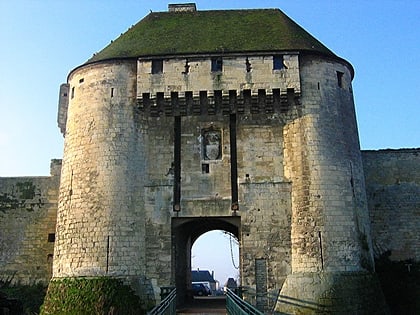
(182, 7)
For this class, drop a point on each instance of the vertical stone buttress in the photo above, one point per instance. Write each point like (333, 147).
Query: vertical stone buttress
(100, 226)
(332, 260)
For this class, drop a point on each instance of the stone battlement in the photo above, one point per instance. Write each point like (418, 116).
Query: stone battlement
(214, 102)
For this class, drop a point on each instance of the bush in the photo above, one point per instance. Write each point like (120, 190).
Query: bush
(91, 296)
(23, 299)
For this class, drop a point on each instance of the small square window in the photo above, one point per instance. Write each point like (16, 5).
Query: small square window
(157, 66)
(51, 237)
(205, 168)
(216, 64)
(278, 62)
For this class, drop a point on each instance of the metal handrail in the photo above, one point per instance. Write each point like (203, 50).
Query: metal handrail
(236, 306)
(167, 306)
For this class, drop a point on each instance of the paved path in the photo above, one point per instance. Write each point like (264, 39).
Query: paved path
(204, 305)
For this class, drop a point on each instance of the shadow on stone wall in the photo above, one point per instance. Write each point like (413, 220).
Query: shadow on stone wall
(19, 299)
(400, 281)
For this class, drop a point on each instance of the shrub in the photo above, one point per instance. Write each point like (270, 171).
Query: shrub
(91, 296)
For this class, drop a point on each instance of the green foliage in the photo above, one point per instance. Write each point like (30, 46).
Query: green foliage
(29, 296)
(400, 282)
(79, 296)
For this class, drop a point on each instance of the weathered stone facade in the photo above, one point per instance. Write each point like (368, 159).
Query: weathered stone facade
(263, 143)
(103, 108)
(393, 191)
(28, 216)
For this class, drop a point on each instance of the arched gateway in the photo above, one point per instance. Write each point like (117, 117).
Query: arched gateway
(234, 119)
(185, 231)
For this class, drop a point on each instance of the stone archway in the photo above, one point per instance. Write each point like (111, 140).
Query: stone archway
(184, 233)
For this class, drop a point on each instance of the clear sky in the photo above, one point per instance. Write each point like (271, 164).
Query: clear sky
(216, 251)
(43, 40)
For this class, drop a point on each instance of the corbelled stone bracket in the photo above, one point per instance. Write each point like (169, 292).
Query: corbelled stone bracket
(215, 102)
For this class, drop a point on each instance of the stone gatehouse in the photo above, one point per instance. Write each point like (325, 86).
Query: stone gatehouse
(173, 130)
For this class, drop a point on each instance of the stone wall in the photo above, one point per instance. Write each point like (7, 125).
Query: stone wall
(393, 190)
(301, 189)
(264, 195)
(28, 214)
(194, 74)
(392, 181)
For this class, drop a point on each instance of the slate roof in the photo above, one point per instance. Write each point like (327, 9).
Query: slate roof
(231, 283)
(210, 32)
(201, 276)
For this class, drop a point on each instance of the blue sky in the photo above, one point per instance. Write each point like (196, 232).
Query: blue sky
(212, 251)
(42, 40)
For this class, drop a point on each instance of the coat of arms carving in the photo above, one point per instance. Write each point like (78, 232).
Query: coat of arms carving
(212, 144)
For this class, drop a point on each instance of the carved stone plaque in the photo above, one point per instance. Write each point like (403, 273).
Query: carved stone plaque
(212, 144)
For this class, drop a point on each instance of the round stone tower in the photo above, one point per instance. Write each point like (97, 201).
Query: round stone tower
(100, 170)
(155, 121)
(332, 258)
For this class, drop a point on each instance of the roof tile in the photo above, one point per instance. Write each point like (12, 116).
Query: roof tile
(215, 31)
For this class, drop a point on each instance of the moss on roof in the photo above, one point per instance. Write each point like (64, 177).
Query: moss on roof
(227, 31)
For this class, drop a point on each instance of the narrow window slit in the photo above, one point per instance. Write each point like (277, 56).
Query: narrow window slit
(340, 79)
(248, 65)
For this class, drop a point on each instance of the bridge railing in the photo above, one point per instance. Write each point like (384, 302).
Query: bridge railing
(168, 304)
(264, 301)
(236, 306)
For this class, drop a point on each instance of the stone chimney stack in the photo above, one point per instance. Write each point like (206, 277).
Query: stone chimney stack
(182, 7)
